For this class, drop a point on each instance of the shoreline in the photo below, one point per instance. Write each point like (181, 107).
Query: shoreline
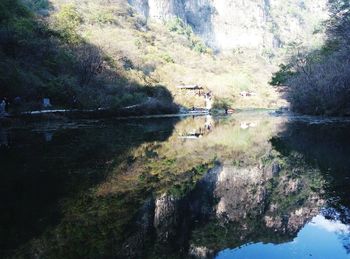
(72, 115)
(65, 114)
(61, 114)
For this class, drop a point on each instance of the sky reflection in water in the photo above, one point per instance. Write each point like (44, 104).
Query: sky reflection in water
(321, 238)
(251, 185)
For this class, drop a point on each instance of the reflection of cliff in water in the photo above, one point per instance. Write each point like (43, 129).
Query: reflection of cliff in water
(235, 203)
(181, 198)
(229, 207)
(198, 131)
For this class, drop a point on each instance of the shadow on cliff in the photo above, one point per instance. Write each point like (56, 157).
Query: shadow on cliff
(201, 21)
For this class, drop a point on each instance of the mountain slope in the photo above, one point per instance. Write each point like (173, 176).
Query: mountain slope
(171, 54)
(114, 53)
(263, 24)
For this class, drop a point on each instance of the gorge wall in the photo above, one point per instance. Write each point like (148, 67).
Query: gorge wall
(242, 23)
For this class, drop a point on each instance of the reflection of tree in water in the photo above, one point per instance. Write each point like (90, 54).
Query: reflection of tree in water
(199, 127)
(346, 242)
(37, 175)
(161, 201)
(327, 146)
(231, 206)
(261, 196)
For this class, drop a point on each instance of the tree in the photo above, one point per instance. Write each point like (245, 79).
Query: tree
(339, 25)
(90, 63)
(318, 82)
(282, 75)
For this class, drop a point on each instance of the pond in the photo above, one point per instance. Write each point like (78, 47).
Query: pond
(250, 185)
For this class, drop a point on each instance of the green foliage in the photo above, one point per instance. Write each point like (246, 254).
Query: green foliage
(37, 5)
(67, 69)
(198, 45)
(103, 17)
(11, 9)
(68, 20)
(61, 88)
(223, 103)
(318, 81)
(138, 43)
(178, 26)
(24, 27)
(282, 75)
(182, 187)
(167, 58)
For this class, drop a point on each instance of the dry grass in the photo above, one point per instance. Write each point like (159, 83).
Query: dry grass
(156, 56)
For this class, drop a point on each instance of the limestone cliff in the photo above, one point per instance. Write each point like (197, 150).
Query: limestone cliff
(242, 23)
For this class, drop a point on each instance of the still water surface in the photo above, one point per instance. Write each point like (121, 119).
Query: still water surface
(250, 185)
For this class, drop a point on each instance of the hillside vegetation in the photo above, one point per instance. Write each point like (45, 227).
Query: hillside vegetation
(43, 54)
(90, 54)
(318, 82)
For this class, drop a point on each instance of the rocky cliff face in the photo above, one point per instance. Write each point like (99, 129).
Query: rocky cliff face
(242, 23)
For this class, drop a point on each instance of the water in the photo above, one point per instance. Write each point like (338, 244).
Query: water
(250, 185)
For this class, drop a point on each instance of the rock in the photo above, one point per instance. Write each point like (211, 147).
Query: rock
(166, 218)
(200, 252)
(273, 222)
(239, 191)
(292, 186)
(232, 24)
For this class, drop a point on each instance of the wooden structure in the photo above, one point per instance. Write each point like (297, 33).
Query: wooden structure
(199, 131)
(193, 88)
(190, 87)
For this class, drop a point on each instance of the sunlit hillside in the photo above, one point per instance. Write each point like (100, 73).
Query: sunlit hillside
(170, 54)
(104, 54)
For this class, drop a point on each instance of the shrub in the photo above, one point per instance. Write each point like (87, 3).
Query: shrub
(199, 46)
(37, 5)
(280, 77)
(68, 19)
(104, 17)
(178, 26)
(222, 103)
(167, 58)
(56, 62)
(11, 9)
(89, 63)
